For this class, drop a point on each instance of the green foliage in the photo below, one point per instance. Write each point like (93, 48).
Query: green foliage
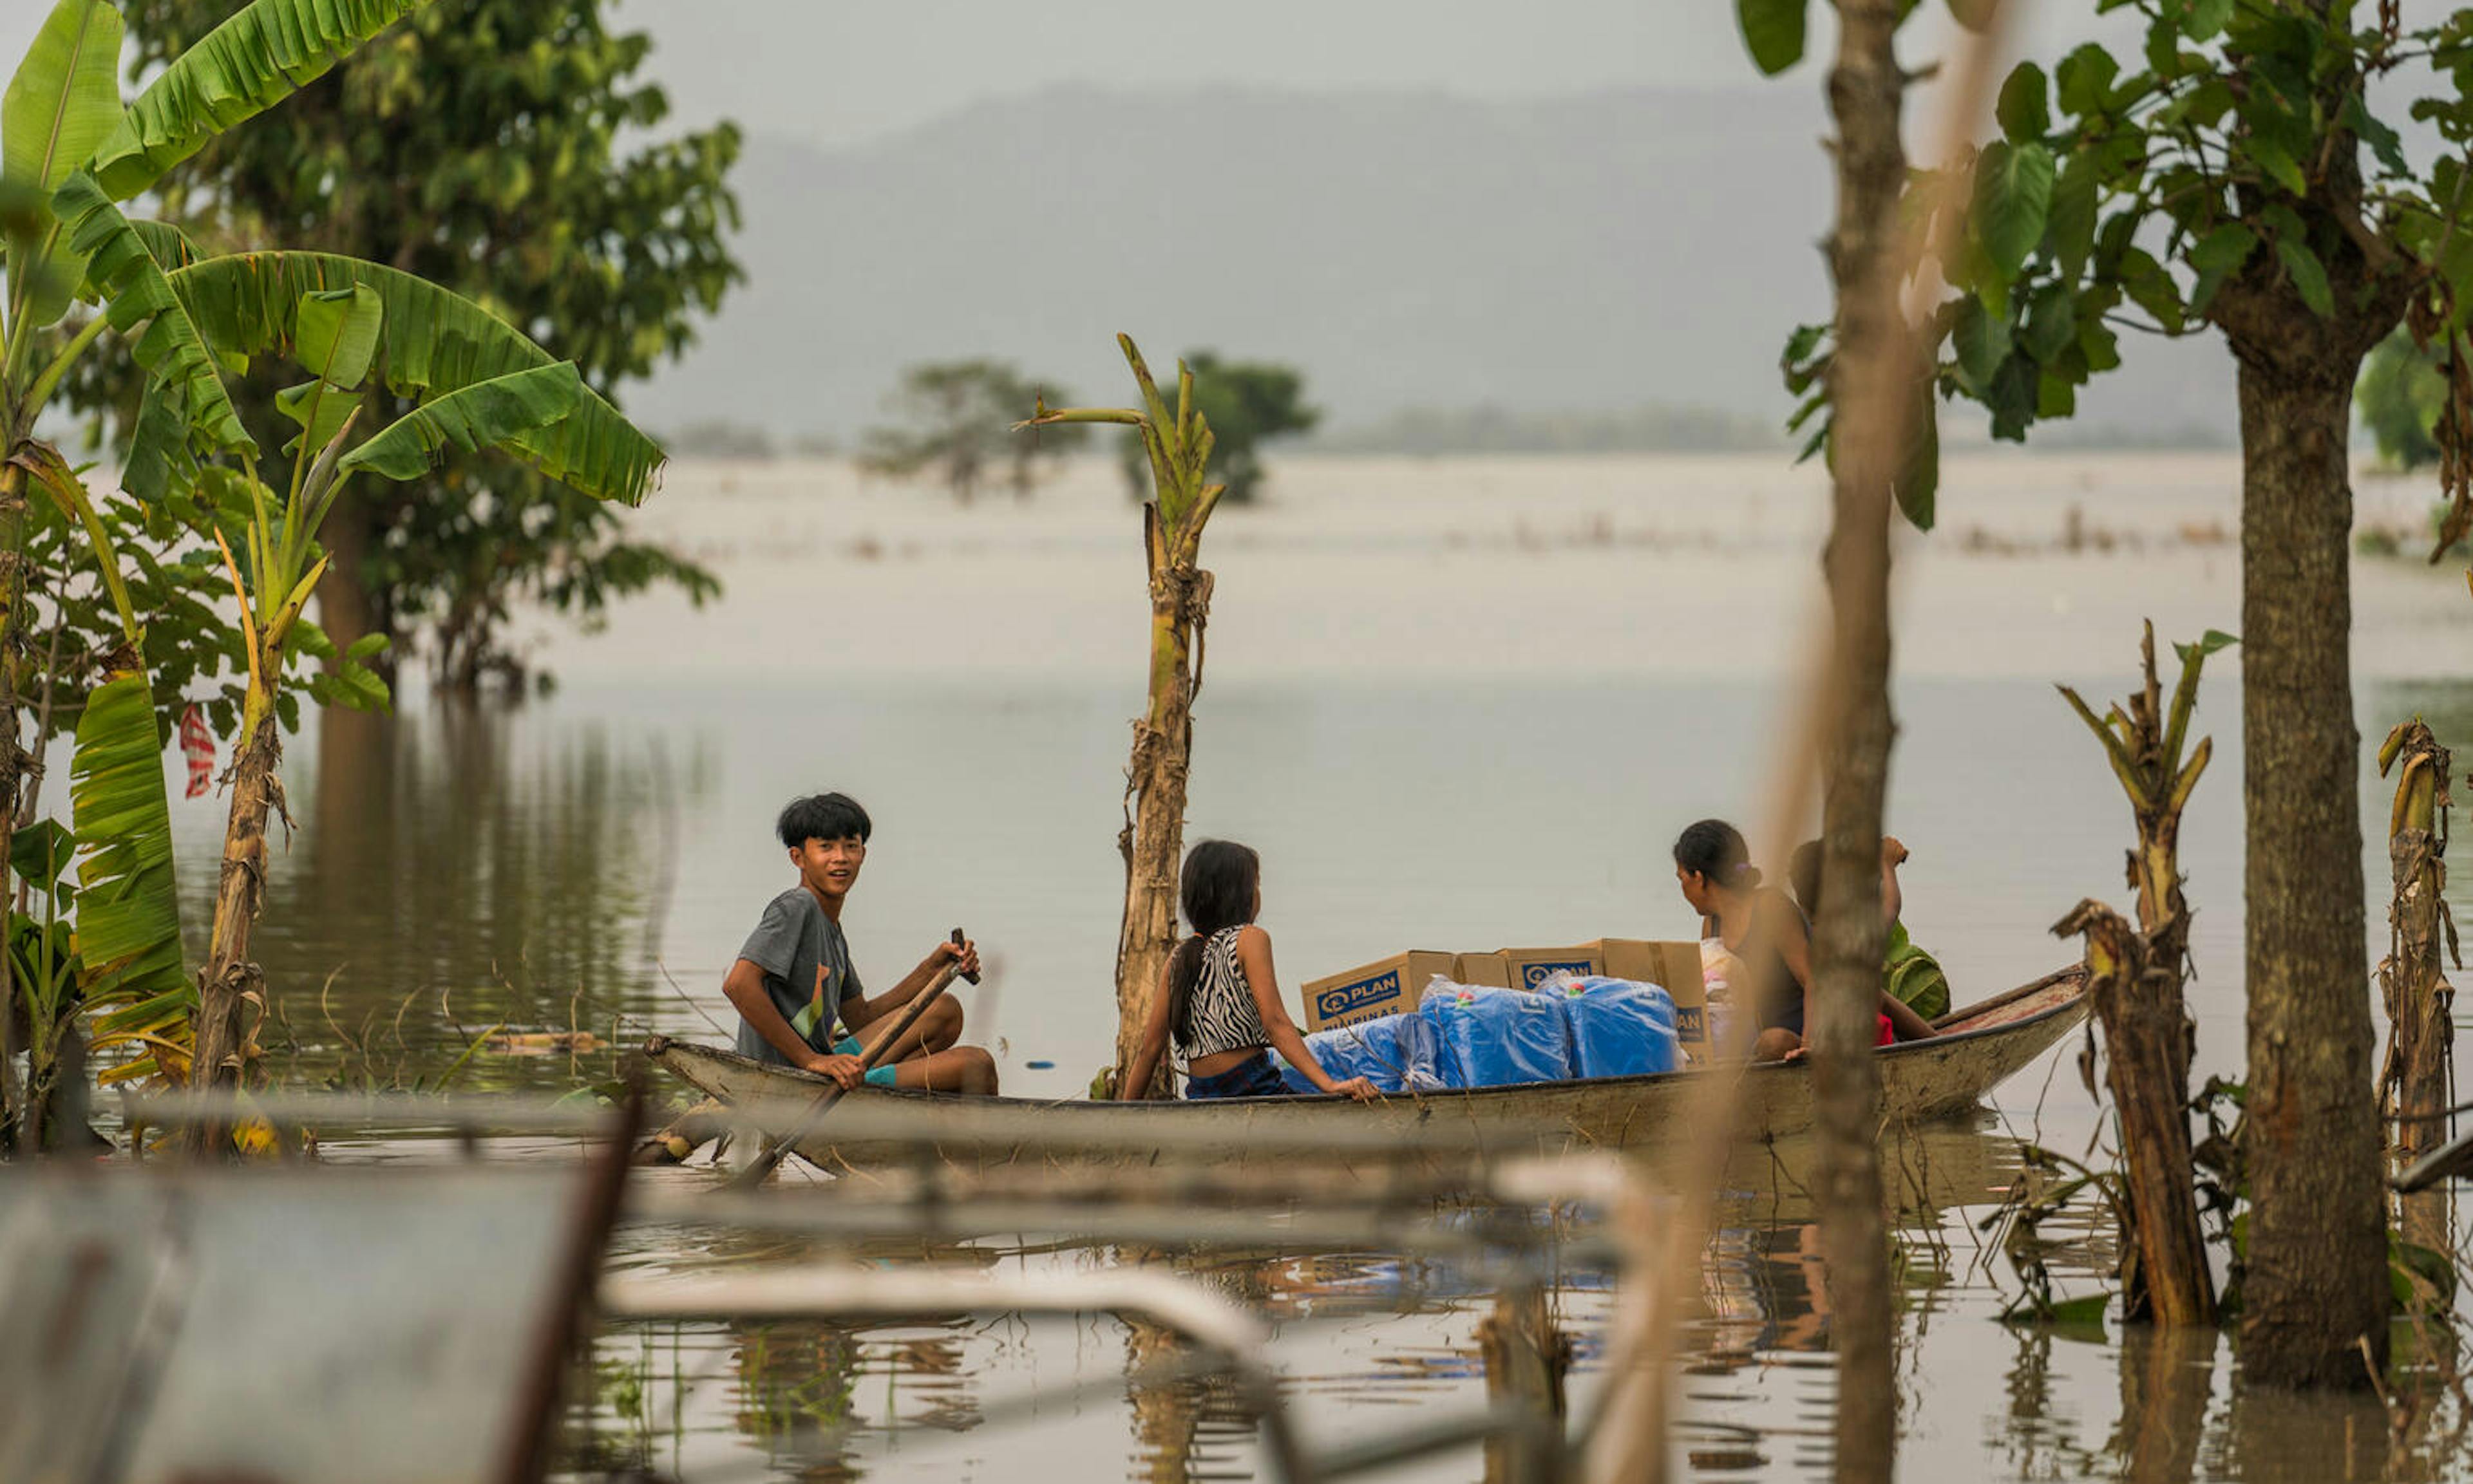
(1247, 403)
(481, 415)
(2210, 180)
(386, 327)
(953, 421)
(64, 99)
(1773, 32)
(122, 269)
(2400, 395)
(434, 343)
(507, 151)
(251, 62)
(128, 935)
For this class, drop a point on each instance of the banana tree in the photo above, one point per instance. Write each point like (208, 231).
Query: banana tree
(63, 119)
(476, 383)
(1178, 444)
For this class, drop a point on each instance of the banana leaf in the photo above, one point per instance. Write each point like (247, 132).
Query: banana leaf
(60, 105)
(65, 99)
(123, 268)
(168, 244)
(478, 416)
(433, 343)
(241, 68)
(129, 908)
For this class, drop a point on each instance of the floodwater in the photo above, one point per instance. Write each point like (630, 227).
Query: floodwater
(1456, 704)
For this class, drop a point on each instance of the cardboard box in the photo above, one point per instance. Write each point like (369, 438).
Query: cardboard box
(1385, 987)
(1488, 969)
(1392, 985)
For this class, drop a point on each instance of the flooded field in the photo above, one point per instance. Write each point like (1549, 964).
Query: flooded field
(1456, 704)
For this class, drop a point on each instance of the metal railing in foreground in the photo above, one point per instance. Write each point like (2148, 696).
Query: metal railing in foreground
(1603, 1213)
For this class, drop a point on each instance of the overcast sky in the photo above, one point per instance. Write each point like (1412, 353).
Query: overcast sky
(829, 71)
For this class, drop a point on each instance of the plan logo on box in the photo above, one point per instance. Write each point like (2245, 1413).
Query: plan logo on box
(1536, 972)
(1348, 999)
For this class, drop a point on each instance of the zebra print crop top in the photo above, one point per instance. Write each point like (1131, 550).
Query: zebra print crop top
(1220, 1013)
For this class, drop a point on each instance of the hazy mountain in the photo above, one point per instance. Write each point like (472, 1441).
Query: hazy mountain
(1595, 253)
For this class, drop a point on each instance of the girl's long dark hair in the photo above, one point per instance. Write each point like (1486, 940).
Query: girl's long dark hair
(1218, 892)
(1716, 850)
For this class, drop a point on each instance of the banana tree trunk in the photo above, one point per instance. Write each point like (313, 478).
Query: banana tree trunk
(2421, 1029)
(16, 1127)
(2134, 983)
(232, 998)
(1152, 842)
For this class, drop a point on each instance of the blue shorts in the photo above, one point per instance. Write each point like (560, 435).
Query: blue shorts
(1253, 1077)
(880, 1076)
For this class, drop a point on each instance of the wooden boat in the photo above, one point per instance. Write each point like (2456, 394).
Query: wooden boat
(1978, 1047)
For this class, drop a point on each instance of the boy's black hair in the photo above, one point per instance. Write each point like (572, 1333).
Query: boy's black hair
(822, 817)
(1716, 850)
(1218, 892)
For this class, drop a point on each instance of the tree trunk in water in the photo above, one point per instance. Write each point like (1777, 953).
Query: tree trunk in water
(2416, 1081)
(1866, 396)
(1153, 840)
(232, 998)
(2135, 982)
(2315, 1285)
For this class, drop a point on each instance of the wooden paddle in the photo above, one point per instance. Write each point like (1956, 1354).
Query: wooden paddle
(770, 1158)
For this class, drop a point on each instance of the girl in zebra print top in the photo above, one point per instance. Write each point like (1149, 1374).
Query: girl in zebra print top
(1219, 996)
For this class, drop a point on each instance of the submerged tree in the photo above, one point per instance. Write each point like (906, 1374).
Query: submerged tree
(954, 424)
(508, 150)
(1177, 445)
(1247, 403)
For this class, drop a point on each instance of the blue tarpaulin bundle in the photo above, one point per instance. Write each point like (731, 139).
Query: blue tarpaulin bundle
(1490, 1038)
(1619, 1027)
(1393, 1052)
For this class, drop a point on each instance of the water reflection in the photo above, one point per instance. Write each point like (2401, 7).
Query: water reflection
(1185, 1427)
(2167, 1379)
(459, 869)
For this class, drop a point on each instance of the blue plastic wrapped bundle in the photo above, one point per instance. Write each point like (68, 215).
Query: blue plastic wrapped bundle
(1619, 1027)
(1490, 1038)
(1393, 1052)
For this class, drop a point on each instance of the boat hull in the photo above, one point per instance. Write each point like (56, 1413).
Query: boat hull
(1921, 1082)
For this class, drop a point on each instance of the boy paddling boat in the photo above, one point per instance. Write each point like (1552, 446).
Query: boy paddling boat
(798, 999)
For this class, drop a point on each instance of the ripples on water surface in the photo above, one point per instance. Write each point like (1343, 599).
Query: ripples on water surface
(591, 861)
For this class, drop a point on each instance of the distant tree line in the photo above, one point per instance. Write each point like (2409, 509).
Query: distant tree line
(1491, 429)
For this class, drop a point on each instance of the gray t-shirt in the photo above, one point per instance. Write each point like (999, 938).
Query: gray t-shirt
(807, 970)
